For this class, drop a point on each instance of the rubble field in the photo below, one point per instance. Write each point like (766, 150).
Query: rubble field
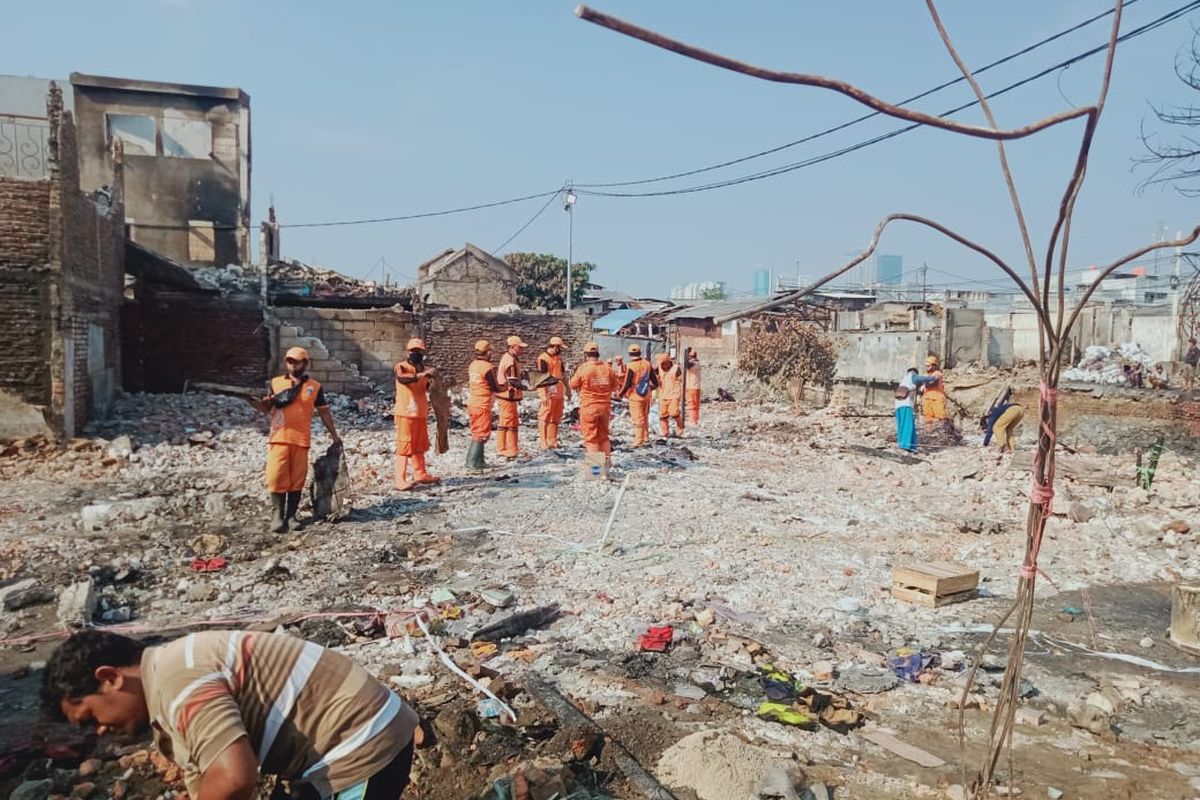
(715, 618)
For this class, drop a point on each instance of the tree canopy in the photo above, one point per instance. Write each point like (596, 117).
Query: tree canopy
(542, 279)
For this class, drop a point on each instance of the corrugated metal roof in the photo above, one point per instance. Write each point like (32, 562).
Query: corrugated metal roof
(615, 320)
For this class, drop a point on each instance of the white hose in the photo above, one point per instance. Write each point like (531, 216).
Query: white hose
(449, 662)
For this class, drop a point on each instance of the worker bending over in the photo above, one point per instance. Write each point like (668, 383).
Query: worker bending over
(553, 395)
(594, 380)
(1001, 422)
(481, 394)
(290, 403)
(670, 394)
(640, 381)
(227, 706)
(412, 416)
(692, 366)
(509, 394)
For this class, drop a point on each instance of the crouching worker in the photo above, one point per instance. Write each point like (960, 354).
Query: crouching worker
(227, 706)
(1001, 423)
(293, 398)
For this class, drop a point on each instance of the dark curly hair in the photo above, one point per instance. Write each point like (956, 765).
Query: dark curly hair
(71, 671)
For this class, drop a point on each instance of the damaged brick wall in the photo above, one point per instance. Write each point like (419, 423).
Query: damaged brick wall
(24, 299)
(172, 337)
(354, 350)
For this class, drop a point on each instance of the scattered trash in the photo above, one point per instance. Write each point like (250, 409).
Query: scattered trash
(656, 639)
(908, 664)
(443, 596)
(902, 749)
(212, 564)
(866, 680)
(518, 623)
(497, 598)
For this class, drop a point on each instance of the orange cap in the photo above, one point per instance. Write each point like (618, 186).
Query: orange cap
(556, 341)
(591, 348)
(482, 346)
(634, 350)
(415, 344)
(297, 354)
(931, 361)
(514, 341)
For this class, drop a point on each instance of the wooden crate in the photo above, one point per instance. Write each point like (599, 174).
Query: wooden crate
(935, 584)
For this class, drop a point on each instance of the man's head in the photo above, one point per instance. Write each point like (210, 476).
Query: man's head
(95, 678)
(635, 352)
(931, 363)
(515, 345)
(556, 345)
(296, 361)
(483, 349)
(416, 351)
(592, 351)
(913, 371)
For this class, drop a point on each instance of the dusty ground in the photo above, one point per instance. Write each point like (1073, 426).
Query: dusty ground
(764, 537)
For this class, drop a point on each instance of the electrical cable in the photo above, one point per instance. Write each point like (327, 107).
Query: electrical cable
(780, 170)
(864, 117)
(499, 250)
(421, 215)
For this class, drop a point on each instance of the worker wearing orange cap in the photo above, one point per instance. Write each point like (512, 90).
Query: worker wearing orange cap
(412, 416)
(934, 404)
(290, 403)
(618, 368)
(481, 389)
(670, 394)
(511, 390)
(692, 366)
(553, 395)
(640, 381)
(594, 380)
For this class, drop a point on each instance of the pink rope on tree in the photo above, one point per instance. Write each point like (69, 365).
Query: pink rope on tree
(1042, 493)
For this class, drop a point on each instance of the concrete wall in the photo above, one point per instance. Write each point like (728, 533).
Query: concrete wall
(965, 337)
(468, 282)
(166, 193)
(1152, 327)
(717, 345)
(881, 356)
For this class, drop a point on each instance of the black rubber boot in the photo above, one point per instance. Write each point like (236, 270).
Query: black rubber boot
(293, 505)
(279, 517)
(475, 452)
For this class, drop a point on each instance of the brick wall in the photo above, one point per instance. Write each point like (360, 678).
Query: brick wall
(173, 336)
(24, 223)
(24, 290)
(353, 351)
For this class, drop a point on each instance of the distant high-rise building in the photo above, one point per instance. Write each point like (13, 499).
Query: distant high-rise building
(762, 283)
(889, 270)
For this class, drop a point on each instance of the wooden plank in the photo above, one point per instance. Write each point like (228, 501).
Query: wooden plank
(903, 749)
(928, 599)
(937, 578)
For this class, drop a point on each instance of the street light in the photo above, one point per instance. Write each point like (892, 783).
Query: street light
(569, 206)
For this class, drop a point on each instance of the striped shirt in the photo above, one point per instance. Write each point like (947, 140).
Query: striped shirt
(309, 714)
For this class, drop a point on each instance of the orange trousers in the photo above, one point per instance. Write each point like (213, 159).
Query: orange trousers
(693, 406)
(481, 422)
(934, 406)
(639, 415)
(287, 468)
(593, 425)
(507, 429)
(669, 410)
(412, 442)
(549, 417)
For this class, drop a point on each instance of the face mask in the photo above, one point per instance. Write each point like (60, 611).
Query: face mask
(416, 358)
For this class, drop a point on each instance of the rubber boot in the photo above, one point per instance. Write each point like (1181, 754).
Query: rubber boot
(403, 484)
(475, 457)
(293, 504)
(279, 515)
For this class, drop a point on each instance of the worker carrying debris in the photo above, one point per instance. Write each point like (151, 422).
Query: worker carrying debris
(594, 380)
(670, 394)
(1001, 423)
(552, 395)
(290, 403)
(228, 705)
(412, 416)
(934, 402)
(640, 381)
(692, 365)
(906, 395)
(511, 390)
(482, 389)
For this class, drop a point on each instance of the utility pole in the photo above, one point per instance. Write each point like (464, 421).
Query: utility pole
(924, 275)
(1178, 345)
(569, 206)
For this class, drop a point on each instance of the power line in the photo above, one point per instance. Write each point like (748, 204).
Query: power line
(780, 170)
(532, 219)
(864, 117)
(421, 215)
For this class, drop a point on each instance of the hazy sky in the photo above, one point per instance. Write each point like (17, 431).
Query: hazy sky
(369, 109)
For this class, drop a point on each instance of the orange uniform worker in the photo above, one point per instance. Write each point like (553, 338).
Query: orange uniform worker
(639, 374)
(508, 379)
(594, 380)
(550, 410)
(412, 416)
(618, 368)
(934, 403)
(692, 366)
(481, 389)
(292, 399)
(670, 394)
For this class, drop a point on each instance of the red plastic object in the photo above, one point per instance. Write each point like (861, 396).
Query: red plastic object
(656, 639)
(214, 564)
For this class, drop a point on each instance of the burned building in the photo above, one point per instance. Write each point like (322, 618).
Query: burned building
(61, 280)
(187, 156)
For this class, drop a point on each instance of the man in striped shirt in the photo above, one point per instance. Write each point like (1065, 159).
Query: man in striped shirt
(227, 705)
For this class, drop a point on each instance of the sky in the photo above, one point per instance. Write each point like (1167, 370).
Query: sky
(374, 109)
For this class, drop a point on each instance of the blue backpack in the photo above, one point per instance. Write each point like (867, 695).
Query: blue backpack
(643, 384)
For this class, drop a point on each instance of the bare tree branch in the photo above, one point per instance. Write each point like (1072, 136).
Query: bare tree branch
(822, 82)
